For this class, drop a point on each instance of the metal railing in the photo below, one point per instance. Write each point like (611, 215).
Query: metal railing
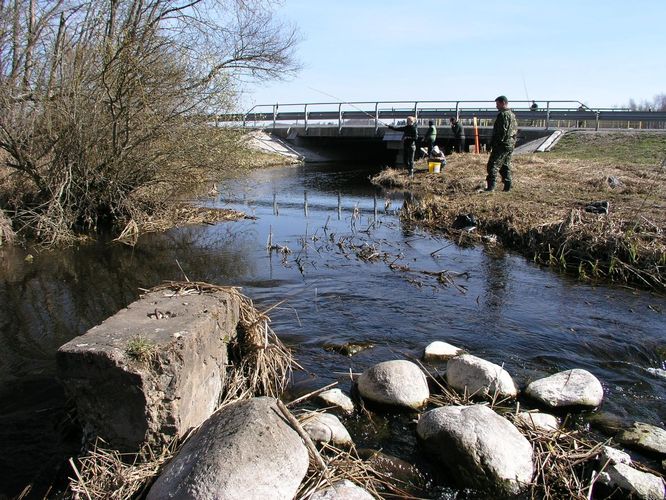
(342, 114)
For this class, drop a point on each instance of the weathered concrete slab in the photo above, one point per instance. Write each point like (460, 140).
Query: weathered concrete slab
(127, 400)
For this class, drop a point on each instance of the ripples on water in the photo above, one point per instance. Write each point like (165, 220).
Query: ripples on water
(533, 321)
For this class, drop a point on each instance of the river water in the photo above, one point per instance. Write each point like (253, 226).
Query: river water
(495, 304)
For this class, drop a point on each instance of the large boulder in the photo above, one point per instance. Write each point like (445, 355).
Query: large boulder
(479, 377)
(398, 383)
(569, 388)
(246, 450)
(326, 428)
(153, 370)
(484, 450)
(645, 437)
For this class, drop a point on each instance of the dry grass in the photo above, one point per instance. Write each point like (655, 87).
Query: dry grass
(564, 462)
(174, 215)
(544, 215)
(105, 473)
(346, 464)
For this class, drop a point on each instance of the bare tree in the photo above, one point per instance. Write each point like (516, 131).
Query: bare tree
(657, 104)
(103, 101)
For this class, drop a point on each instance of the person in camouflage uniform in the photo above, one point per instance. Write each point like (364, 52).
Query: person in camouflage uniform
(502, 143)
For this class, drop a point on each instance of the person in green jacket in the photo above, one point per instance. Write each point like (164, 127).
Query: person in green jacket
(430, 136)
(502, 143)
(458, 134)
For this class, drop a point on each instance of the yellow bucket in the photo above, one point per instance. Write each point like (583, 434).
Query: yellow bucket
(434, 166)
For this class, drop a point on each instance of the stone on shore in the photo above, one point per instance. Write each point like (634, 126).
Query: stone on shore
(342, 490)
(398, 383)
(326, 428)
(634, 483)
(335, 397)
(479, 377)
(616, 472)
(645, 437)
(538, 421)
(568, 388)
(246, 450)
(440, 351)
(610, 455)
(484, 450)
(153, 370)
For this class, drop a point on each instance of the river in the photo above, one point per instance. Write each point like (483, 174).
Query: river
(493, 303)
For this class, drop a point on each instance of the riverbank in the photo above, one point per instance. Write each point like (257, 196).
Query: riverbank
(546, 216)
(162, 203)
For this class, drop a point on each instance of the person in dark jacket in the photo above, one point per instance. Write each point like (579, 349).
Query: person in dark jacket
(410, 135)
(430, 136)
(458, 134)
(502, 143)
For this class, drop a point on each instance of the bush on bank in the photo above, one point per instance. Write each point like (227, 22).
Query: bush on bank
(104, 106)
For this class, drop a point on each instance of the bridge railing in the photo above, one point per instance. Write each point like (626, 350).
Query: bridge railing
(558, 113)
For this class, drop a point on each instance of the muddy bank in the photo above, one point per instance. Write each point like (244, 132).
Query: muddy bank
(595, 207)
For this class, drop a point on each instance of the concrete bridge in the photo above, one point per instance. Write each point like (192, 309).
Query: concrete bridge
(357, 130)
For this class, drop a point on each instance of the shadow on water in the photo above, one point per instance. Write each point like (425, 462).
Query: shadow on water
(504, 308)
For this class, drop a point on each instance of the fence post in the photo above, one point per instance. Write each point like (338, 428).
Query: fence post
(275, 108)
(340, 119)
(339, 206)
(547, 114)
(477, 146)
(416, 111)
(305, 119)
(457, 110)
(596, 126)
(376, 118)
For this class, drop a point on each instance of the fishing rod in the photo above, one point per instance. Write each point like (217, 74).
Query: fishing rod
(350, 104)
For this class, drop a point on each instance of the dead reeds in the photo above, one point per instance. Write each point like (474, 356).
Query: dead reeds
(106, 473)
(564, 463)
(347, 465)
(544, 215)
(174, 215)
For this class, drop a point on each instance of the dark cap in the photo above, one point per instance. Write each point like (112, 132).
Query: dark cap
(501, 98)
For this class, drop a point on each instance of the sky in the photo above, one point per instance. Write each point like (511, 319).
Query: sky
(599, 52)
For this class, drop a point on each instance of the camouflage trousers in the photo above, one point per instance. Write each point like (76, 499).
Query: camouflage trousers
(499, 161)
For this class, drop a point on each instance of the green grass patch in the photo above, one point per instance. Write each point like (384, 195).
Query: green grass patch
(140, 349)
(629, 148)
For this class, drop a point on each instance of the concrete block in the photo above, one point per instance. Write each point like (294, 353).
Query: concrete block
(153, 370)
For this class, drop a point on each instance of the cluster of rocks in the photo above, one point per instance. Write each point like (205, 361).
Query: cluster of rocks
(254, 448)
(473, 444)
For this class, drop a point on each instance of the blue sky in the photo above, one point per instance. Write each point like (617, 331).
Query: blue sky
(602, 53)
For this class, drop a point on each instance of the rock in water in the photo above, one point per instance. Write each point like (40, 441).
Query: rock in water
(480, 447)
(569, 388)
(398, 383)
(480, 377)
